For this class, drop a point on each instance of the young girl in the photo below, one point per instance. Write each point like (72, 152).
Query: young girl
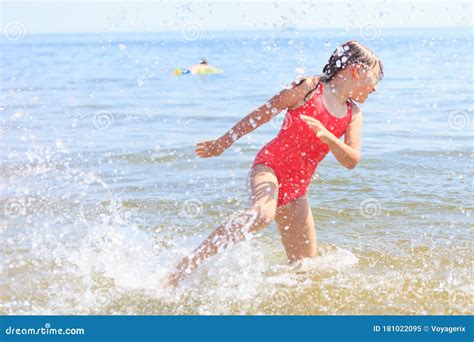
(320, 110)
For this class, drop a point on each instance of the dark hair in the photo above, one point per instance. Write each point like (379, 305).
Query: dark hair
(202, 61)
(351, 52)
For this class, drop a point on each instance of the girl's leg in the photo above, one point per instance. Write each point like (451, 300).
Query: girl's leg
(264, 195)
(296, 225)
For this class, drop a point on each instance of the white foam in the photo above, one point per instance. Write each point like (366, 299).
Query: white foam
(331, 258)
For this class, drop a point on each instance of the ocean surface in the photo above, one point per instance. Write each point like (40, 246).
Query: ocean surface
(102, 193)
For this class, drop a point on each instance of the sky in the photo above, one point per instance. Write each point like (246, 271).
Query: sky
(157, 16)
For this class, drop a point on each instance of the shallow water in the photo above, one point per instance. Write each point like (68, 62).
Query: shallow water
(102, 192)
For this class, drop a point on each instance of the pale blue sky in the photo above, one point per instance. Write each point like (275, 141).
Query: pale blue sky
(155, 16)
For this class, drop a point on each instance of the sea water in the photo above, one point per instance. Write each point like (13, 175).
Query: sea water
(102, 192)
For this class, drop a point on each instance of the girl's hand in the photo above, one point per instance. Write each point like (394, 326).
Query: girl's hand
(318, 128)
(210, 148)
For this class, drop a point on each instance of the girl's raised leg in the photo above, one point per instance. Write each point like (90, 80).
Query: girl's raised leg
(264, 195)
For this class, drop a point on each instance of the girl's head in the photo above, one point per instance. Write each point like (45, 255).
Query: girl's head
(356, 64)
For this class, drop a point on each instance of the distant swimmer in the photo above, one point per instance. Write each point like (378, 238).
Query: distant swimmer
(201, 68)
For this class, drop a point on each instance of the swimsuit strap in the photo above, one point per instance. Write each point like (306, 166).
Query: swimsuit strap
(305, 98)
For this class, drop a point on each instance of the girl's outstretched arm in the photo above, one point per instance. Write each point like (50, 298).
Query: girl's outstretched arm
(281, 101)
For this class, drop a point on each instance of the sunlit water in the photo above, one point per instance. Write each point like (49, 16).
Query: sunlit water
(102, 192)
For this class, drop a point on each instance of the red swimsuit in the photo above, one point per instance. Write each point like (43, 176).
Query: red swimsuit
(296, 151)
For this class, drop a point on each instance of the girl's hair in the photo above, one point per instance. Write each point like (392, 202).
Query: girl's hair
(351, 52)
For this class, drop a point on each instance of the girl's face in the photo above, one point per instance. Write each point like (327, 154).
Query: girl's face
(364, 82)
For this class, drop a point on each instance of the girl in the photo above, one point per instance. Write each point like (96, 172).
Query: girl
(320, 110)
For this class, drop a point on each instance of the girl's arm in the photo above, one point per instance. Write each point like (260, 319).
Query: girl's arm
(258, 117)
(347, 152)
(284, 99)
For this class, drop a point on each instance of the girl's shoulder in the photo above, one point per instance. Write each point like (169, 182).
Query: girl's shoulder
(302, 88)
(306, 81)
